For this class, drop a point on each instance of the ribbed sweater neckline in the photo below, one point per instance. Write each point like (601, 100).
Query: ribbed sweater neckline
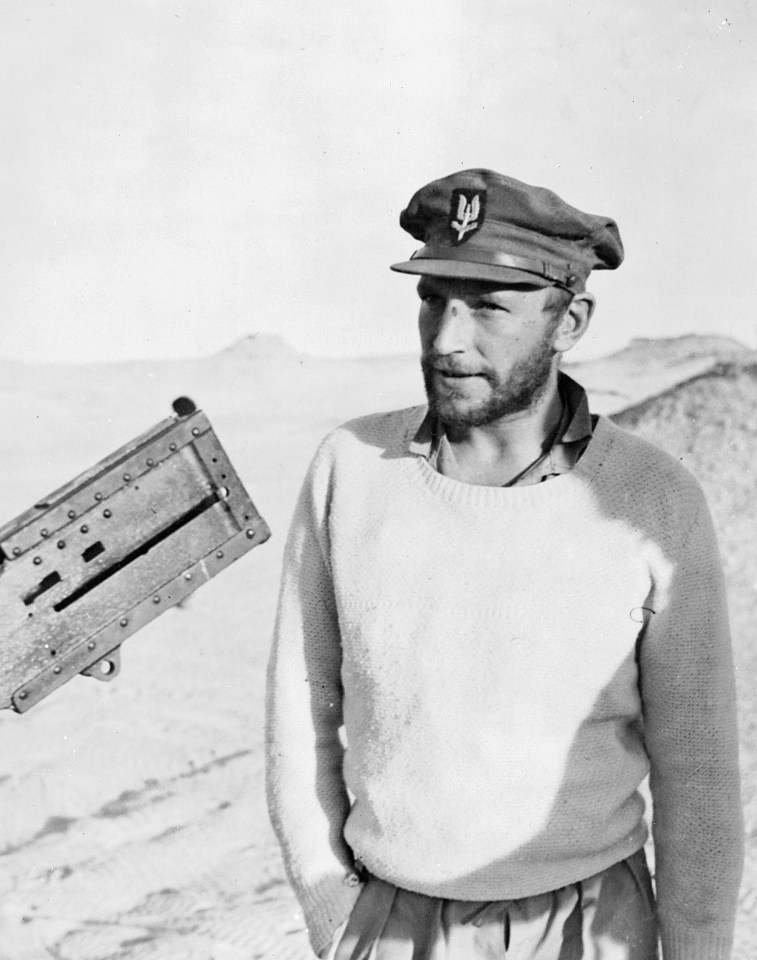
(479, 497)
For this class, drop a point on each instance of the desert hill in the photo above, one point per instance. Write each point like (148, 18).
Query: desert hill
(134, 822)
(647, 367)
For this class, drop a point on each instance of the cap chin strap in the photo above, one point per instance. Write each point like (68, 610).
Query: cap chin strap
(563, 276)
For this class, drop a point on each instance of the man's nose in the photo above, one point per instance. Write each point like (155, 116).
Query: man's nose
(452, 331)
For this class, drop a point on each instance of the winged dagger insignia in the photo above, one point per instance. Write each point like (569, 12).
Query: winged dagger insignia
(466, 213)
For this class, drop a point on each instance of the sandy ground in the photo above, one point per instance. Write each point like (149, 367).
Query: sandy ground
(133, 813)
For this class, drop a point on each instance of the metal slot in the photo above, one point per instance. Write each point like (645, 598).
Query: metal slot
(45, 584)
(92, 551)
(205, 504)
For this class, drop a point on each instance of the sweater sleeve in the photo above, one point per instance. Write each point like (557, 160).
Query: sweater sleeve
(689, 704)
(307, 798)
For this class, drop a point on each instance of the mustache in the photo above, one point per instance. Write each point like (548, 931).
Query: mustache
(444, 365)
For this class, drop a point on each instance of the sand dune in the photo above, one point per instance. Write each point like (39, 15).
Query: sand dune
(134, 820)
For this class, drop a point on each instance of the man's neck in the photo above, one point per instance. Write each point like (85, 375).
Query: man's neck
(495, 453)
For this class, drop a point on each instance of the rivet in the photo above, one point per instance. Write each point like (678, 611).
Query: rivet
(250, 534)
(150, 461)
(37, 561)
(107, 513)
(17, 551)
(156, 599)
(171, 446)
(195, 432)
(61, 544)
(91, 645)
(84, 528)
(127, 477)
(219, 554)
(123, 621)
(56, 669)
(98, 496)
(187, 575)
(44, 533)
(72, 514)
(23, 695)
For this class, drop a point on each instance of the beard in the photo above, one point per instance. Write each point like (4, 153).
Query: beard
(525, 385)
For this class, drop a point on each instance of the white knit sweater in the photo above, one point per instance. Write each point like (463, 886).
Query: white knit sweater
(508, 665)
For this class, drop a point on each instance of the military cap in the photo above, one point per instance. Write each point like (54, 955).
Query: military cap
(481, 225)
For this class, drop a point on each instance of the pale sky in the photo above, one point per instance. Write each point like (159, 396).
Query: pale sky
(178, 174)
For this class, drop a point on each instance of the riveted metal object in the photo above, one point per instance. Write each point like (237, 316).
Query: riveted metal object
(72, 592)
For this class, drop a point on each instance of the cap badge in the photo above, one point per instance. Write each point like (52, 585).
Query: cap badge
(467, 212)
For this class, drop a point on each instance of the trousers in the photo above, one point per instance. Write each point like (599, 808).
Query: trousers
(608, 916)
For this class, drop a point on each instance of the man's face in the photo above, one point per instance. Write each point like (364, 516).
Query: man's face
(486, 350)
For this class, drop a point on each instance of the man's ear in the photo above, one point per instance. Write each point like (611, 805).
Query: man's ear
(575, 322)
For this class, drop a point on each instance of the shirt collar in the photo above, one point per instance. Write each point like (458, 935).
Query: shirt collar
(580, 425)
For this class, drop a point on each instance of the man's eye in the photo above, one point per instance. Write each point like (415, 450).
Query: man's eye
(490, 305)
(430, 299)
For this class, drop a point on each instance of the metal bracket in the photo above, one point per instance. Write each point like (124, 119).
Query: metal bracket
(106, 668)
(106, 554)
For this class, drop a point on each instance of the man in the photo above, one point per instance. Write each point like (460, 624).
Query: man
(513, 611)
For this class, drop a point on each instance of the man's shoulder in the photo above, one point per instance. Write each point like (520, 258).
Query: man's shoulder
(638, 451)
(388, 432)
(645, 465)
